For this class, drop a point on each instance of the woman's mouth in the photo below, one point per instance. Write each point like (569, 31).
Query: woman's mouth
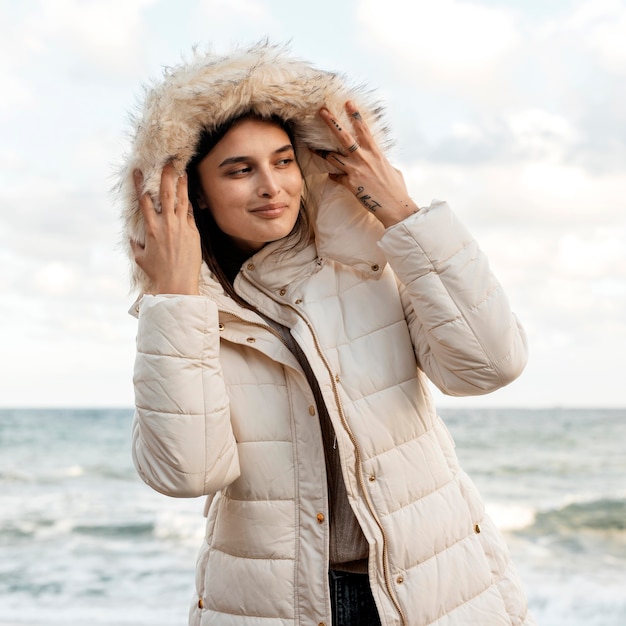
(270, 210)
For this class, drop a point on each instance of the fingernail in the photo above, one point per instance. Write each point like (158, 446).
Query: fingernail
(138, 176)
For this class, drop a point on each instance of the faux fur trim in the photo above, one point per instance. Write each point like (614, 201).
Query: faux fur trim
(207, 90)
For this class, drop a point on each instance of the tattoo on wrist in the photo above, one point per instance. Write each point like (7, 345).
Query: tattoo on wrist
(366, 200)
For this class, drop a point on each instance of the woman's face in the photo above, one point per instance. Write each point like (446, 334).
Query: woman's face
(252, 184)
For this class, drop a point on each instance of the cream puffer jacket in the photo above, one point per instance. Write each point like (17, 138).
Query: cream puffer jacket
(223, 408)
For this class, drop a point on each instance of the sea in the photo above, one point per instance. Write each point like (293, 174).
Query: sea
(84, 541)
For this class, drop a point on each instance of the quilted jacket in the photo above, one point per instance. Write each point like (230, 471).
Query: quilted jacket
(223, 408)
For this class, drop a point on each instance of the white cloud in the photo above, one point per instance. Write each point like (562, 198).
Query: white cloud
(601, 26)
(109, 35)
(480, 83)
(539, 133)
(597, 254)
(15, 91)
(533, 193)
(17, 47)
(449, 44)
(251, 10)
(55, 279)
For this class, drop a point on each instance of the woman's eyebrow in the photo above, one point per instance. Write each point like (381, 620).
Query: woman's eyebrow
(241, 159)
(235, 159)
(284, 148)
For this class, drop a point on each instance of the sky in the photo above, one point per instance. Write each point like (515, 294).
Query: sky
(513, 112)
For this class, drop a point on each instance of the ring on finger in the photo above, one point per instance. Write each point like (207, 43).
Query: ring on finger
(354, 147)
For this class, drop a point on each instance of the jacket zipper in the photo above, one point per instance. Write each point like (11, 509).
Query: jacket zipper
(357, 452)
(344, 422)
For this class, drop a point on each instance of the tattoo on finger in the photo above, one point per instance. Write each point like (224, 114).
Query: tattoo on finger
(356, 115)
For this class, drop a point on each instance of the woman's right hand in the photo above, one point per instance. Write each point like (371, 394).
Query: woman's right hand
(171, 254)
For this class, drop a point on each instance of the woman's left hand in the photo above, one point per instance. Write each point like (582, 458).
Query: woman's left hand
(365, 171)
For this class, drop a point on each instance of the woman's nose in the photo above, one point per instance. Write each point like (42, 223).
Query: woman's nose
(268, 186)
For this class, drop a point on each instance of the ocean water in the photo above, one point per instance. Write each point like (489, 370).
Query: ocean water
(84, 541)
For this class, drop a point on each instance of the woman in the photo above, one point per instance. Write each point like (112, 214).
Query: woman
(294, 300)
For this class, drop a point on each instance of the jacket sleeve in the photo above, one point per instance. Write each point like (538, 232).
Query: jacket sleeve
(466, 339)
(183, 442)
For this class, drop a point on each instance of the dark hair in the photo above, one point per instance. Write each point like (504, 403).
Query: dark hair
(219, 252)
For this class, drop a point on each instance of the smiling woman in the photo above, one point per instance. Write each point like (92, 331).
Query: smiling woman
(252, 184)
(281, 369)
(245, 186)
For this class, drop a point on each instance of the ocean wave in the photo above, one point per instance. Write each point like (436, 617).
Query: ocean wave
(603, 516)
(45, 529)
(15, 475)
(134, 529)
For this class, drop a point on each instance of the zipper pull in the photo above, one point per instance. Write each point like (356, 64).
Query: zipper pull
(335, 443)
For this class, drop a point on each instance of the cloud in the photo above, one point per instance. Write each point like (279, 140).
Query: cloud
(515, 136)
(601, 26)
(448, 44)
(251, 10)
(55, 278)
(107, 35)
(479, 84)
(543, 193)
(17, 47)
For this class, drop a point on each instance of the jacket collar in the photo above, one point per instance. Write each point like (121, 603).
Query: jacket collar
(343, 232)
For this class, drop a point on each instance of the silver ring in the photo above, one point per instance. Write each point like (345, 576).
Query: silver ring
(354, 147)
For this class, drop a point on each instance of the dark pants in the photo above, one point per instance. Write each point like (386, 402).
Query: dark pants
(351, 600)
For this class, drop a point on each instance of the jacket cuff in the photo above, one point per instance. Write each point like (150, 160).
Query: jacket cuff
(424, 240)
(173, 324)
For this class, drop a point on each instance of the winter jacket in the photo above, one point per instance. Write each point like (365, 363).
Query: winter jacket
(223, 408)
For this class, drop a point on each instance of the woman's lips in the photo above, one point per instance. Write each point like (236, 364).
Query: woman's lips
(270, 210)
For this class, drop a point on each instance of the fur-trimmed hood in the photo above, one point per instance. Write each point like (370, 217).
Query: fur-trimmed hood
(207, 90)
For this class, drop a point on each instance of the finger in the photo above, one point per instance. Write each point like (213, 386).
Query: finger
(345, 137)
(334, 158)
(359, 126)
(167, 192)
(183, 206)
(137, 248)
(146, 205)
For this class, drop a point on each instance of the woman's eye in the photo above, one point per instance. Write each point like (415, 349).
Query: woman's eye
(285, 162)
(240, 171)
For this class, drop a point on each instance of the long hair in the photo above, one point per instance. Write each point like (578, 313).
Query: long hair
(219, 252)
